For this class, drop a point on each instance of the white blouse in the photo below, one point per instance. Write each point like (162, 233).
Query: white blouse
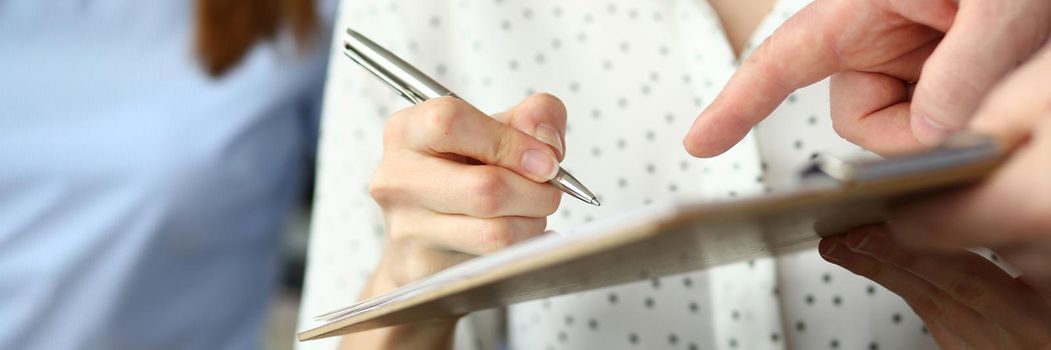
(633, 75)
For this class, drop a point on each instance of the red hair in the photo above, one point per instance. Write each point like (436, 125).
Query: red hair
(226, 29)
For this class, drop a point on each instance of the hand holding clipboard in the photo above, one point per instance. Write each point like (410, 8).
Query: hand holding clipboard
(672, 237)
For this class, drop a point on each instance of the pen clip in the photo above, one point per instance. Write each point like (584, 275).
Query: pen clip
(382, 74)
(410, 82)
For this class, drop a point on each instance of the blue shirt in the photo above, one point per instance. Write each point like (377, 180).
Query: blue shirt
(141, 201)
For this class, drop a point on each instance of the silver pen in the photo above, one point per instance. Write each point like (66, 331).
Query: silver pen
(418, 87)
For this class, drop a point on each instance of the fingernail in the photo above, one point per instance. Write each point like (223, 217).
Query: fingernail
(540, 164)
(928, 131)
(549, 135)
(866, 242)
(837, 252)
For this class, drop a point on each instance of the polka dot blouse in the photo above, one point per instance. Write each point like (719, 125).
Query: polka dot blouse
(633, 75)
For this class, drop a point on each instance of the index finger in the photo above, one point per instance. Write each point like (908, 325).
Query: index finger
(448, 125)
(798, 54)
(541, 115)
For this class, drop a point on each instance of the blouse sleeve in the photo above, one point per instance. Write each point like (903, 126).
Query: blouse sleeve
(346, 229)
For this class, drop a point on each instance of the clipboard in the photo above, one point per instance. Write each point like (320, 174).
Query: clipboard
(669, 238)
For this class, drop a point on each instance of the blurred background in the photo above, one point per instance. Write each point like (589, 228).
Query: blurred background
(284, 308)
(156, 169)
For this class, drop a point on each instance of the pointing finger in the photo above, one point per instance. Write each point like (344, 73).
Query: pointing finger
(449, 125)
(801, 52)
(542, 116)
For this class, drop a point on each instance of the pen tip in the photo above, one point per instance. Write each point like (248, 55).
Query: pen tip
(595, 202)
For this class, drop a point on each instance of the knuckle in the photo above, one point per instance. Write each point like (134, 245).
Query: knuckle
(869, 269)
(907, 262)
(381, 190)
(897, 257)
(487, 190)
(968, 292)
(498, 234)
(552, 103)
(394, 128)
(927, 303)
(397, 235)
(550, 201)
(400, 276)
(416, 260)
(507, 145)
(441, 116)
(844, 128)
(417, 266)
(536, 226)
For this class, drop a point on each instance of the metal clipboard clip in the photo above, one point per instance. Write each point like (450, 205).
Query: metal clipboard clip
(961, 150)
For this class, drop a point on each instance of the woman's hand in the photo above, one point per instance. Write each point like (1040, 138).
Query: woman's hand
(453, 184)
(966, 301)
(874, 50)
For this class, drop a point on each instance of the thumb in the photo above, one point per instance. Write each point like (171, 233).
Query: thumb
(987, 40)
(1015, 107)
(542, 116)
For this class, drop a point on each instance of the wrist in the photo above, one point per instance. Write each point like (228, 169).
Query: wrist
(385, 277)
(434, 334)
(431, 334)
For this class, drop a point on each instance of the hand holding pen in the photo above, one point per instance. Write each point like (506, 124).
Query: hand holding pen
(454, 182)
(418, 87)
